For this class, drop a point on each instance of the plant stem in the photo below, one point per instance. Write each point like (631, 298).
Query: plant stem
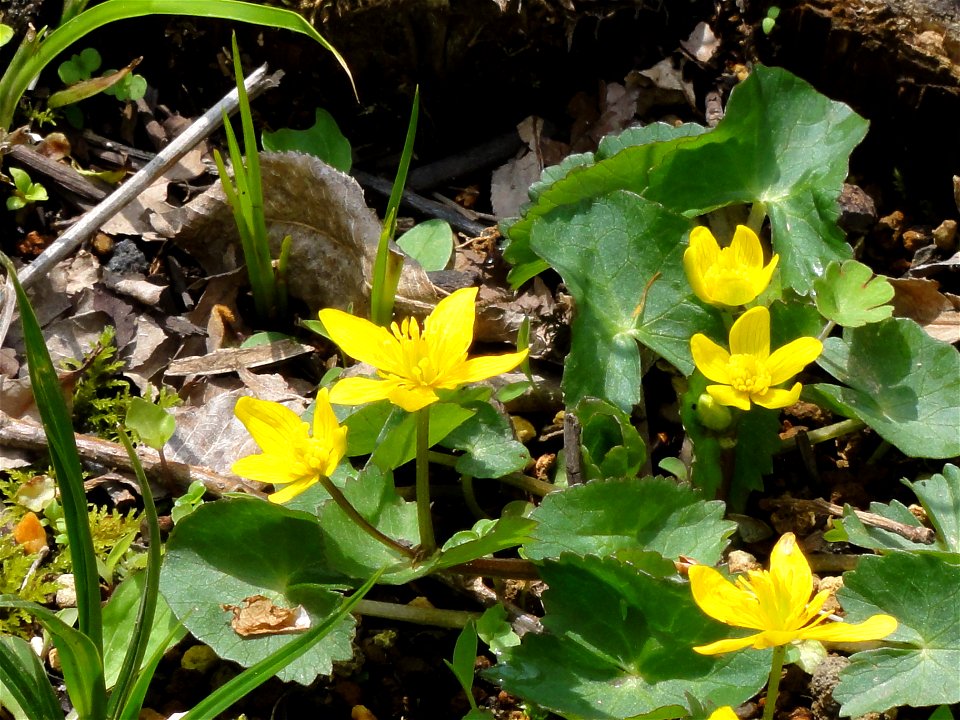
(456, 619)
(758, 213)
(773, 684)
(829, 432)
(341, 500)
(424, 520)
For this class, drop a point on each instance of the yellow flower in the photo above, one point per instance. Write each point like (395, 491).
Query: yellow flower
(412, 364)
(749, 371)
(290, 454)
(723, 713)
(777, 603)
(734, 275)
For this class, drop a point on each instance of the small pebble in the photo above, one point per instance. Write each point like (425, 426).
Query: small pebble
(740, 561)
(945, 236)
(127, 259)
(66, 591)
(916, 238)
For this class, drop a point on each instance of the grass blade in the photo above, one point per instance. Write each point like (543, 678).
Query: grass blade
(25, 679)
(18, 75)
(151, 587)
(257, 674)
(58, 427)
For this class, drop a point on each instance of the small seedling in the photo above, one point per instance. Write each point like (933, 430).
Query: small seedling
(79, 67)
(25, 191)
(464, 658)
(770, 21)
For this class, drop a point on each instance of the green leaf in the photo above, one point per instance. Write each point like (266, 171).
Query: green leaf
(79, 659)
(496, 631)
(614, 253)
(903, 384)
(851, 296)
(610, 517)
(232, 549)
(6, 34)
(758, 440)
(430, 243)
(618, 644)
(152, 423)
(79, 67)
(780, 143)
(487, 439)
(849, 528)
(920, 590)
(322, 139)
(622, 162)
(397, 442)
(610, 444)
(464, 659)
(940, 497)
(119, 617)
(349, 549)
(25, 689)
(486, 538)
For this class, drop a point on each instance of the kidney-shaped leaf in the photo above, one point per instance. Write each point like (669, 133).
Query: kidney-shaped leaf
(851, 296)
(902, 383)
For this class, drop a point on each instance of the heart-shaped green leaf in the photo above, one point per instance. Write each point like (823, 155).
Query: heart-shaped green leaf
(851, 296)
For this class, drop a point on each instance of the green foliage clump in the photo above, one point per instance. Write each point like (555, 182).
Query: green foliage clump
(101, 396)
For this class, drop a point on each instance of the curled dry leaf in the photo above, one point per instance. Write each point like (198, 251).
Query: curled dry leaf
(334, 234)
(257, 615)
(921, 300)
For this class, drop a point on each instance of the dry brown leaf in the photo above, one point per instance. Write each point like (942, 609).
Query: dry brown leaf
(29, 534)
(228, 360)
(702, 43)
(920, 299)
(256, 616)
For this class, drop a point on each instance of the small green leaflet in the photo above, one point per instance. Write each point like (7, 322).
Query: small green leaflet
(851, 296)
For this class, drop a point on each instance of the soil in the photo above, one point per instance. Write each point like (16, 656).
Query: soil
(482, 68)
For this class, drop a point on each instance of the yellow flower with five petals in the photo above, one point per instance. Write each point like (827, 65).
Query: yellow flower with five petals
(749, 372)
(733, 275)
(413, 364)
(291, 455)
(777, 603)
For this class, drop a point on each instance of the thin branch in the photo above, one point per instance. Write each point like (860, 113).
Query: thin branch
(914, 533)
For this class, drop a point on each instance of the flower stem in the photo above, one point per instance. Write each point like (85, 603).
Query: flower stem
(424, 520)
(758, 213)
(773, 684)
(341, 500)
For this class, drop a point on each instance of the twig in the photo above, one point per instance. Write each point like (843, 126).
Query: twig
(914, 533)
(30, 436)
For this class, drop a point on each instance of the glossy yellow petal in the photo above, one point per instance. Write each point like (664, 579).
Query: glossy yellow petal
(750, 334)
(338, 448)
(711, 359)
(772, 638)
(272, 425)
(725, 646)
(723, 713)
(362, 340)
(702, 254)
(792, 581)
(267, 468)
(325, 423)
(873, 628)
(448, 330)
(793, 357)
(726, 395)
(761, 278)
(721, 599)
(483, 367)
(292, 490)
(358, 390)
(411, 397)
(746, 248)
(775, 398)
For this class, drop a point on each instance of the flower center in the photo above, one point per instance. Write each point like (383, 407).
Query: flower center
(728, 274)
(314, 454)
(748, 374)
(418, 367)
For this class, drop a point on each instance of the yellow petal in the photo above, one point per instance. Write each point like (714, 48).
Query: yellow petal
(358, 390)
(292, 490)
(338, 448)
(273, 426)
(723, 713)
(483, 367)
(698, 258)
(267, 469)
(325, 423)
(746, 248)
(411, 397)
(761, 279)
(775, 398)
(791, 578)
(750, 334)
(711, 359)
(448, 331)
(793, 357)
(735, 291)
(722, 600)
(873, 628)
(362, 340)
(725, 646)
(726, 395)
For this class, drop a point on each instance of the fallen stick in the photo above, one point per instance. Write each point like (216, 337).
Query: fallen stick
(914, 533)
(29, 435)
